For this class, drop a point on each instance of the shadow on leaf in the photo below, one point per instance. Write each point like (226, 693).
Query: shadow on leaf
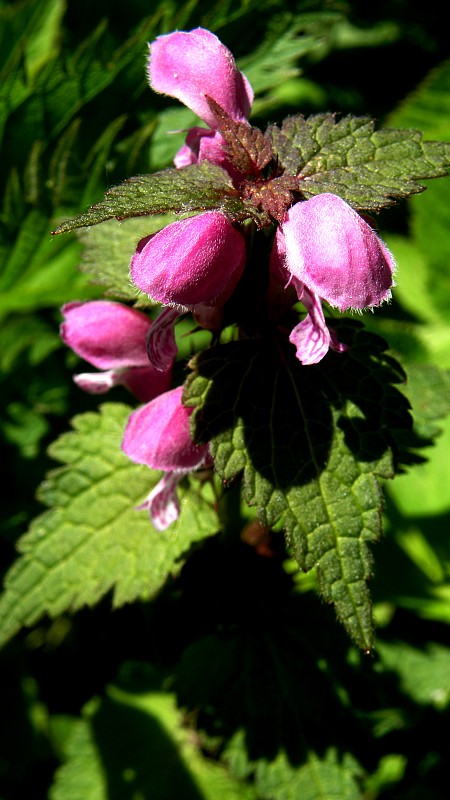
(259, 406)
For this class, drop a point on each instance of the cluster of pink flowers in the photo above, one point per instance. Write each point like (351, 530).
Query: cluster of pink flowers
(322, 250)
(113, 338)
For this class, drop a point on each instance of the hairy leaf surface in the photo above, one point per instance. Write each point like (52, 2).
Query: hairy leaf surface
(198, 187)
(93, 540)
(369, 169)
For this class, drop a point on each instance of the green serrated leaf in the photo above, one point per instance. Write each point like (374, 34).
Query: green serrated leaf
(310, 443)
(194, 188)
(369, 169)
(93, 540)
(318, 779)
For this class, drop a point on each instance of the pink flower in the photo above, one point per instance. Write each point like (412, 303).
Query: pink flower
(112, 337)
(158, 436)
(189, 265)
(329, 253)
(198, 260)
(192, 66)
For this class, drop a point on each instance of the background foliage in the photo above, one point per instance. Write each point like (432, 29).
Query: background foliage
(227, 677)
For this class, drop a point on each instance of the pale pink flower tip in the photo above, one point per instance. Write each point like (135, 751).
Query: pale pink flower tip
(113, 338)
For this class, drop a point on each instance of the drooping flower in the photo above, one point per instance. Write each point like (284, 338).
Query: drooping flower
(194, 261)
(158, 436)
(328, 252)
(192, 66)
(190, 264)
(112, 337)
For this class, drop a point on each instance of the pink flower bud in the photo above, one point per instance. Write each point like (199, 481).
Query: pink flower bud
(113, 338)
(336, 254)
(193, 65)
(203, 144)
(158, 435)
(108, 335)
(196, 260)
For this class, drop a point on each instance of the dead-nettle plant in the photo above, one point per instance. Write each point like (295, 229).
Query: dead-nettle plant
(274, 230)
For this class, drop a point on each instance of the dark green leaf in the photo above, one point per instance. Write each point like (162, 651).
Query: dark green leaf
(310, 442)
(138, 739)
(369, 169)
(194, 188)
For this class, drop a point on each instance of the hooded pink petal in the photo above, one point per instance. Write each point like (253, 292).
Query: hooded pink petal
(161, 342)
(158, 435)
(108, 335)
(193, 65)
(336, 254)
(162, 503)
(312, 337)
(203, 144)
(196, 260)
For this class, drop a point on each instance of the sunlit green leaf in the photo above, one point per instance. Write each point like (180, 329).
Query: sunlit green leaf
(93, 540)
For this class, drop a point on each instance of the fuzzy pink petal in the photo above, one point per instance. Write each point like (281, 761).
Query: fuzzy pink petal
(108, 335)
(334, 252)
(161, 343)
(158, 435)
(162, 503)
(193, 65)
(311, 337)
(203, 144)
(196, 260)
